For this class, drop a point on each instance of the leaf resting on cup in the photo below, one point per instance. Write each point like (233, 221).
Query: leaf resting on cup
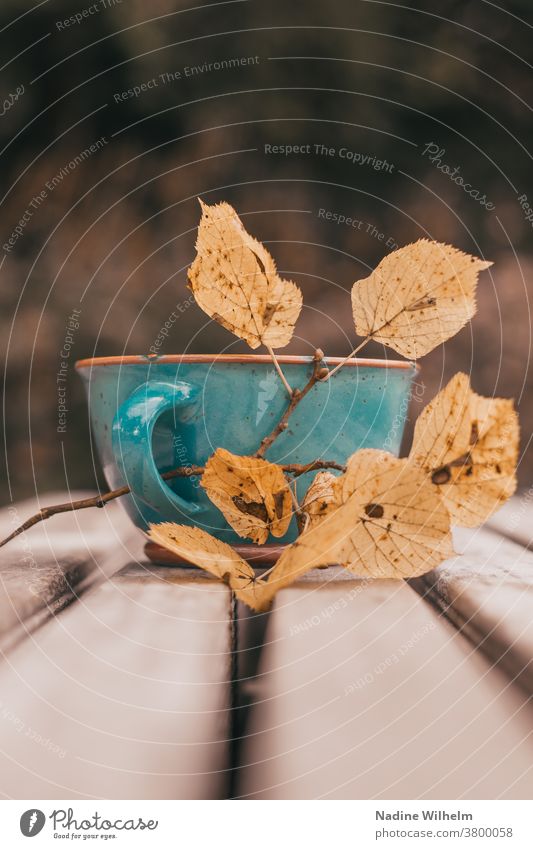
(234, 280)
(468, 447)
(417, 297)
(386, 520)
(218, 558)
(252, 494)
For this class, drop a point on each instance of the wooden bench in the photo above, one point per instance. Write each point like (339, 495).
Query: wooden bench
(121, 679)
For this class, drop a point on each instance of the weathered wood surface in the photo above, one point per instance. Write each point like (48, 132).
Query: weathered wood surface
(365, 689)
(487, 592)
(44, 569)
(366, 692)
(123, 695)
(515, 519)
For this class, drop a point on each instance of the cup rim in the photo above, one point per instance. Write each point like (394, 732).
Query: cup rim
(287, 359)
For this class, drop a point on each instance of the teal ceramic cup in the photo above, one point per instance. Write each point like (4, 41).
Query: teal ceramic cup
(150, 415)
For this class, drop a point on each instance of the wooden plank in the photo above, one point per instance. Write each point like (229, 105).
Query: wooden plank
(365, 692)
(487, 592)
(123, 695)
(515, 519)
(44, 569)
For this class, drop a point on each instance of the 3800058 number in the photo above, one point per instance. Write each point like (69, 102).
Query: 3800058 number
(487, 832)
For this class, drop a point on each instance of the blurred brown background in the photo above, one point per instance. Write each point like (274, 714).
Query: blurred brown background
(114, 234)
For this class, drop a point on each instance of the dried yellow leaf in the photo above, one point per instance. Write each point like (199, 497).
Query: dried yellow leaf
(443, 429)
(468, 446)
(390, 522)
(318, 498)
(218, 558)
(234, 280)
(417, 297)
(253, 494)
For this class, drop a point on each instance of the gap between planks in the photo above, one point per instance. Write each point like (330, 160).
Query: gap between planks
(487, 593)
(365, 692)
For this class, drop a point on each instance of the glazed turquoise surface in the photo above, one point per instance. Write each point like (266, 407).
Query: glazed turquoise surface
(150, 417)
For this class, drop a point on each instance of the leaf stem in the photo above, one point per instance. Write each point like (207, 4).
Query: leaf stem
(340, 365)
(296, 504)
(279, 371)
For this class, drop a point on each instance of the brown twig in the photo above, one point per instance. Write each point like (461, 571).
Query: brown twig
(94, 501)
(319, 372)
(295, 469)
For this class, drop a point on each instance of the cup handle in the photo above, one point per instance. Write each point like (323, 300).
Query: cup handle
(133, 427)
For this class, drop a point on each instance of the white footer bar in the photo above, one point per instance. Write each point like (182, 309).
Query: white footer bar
(268, 824)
